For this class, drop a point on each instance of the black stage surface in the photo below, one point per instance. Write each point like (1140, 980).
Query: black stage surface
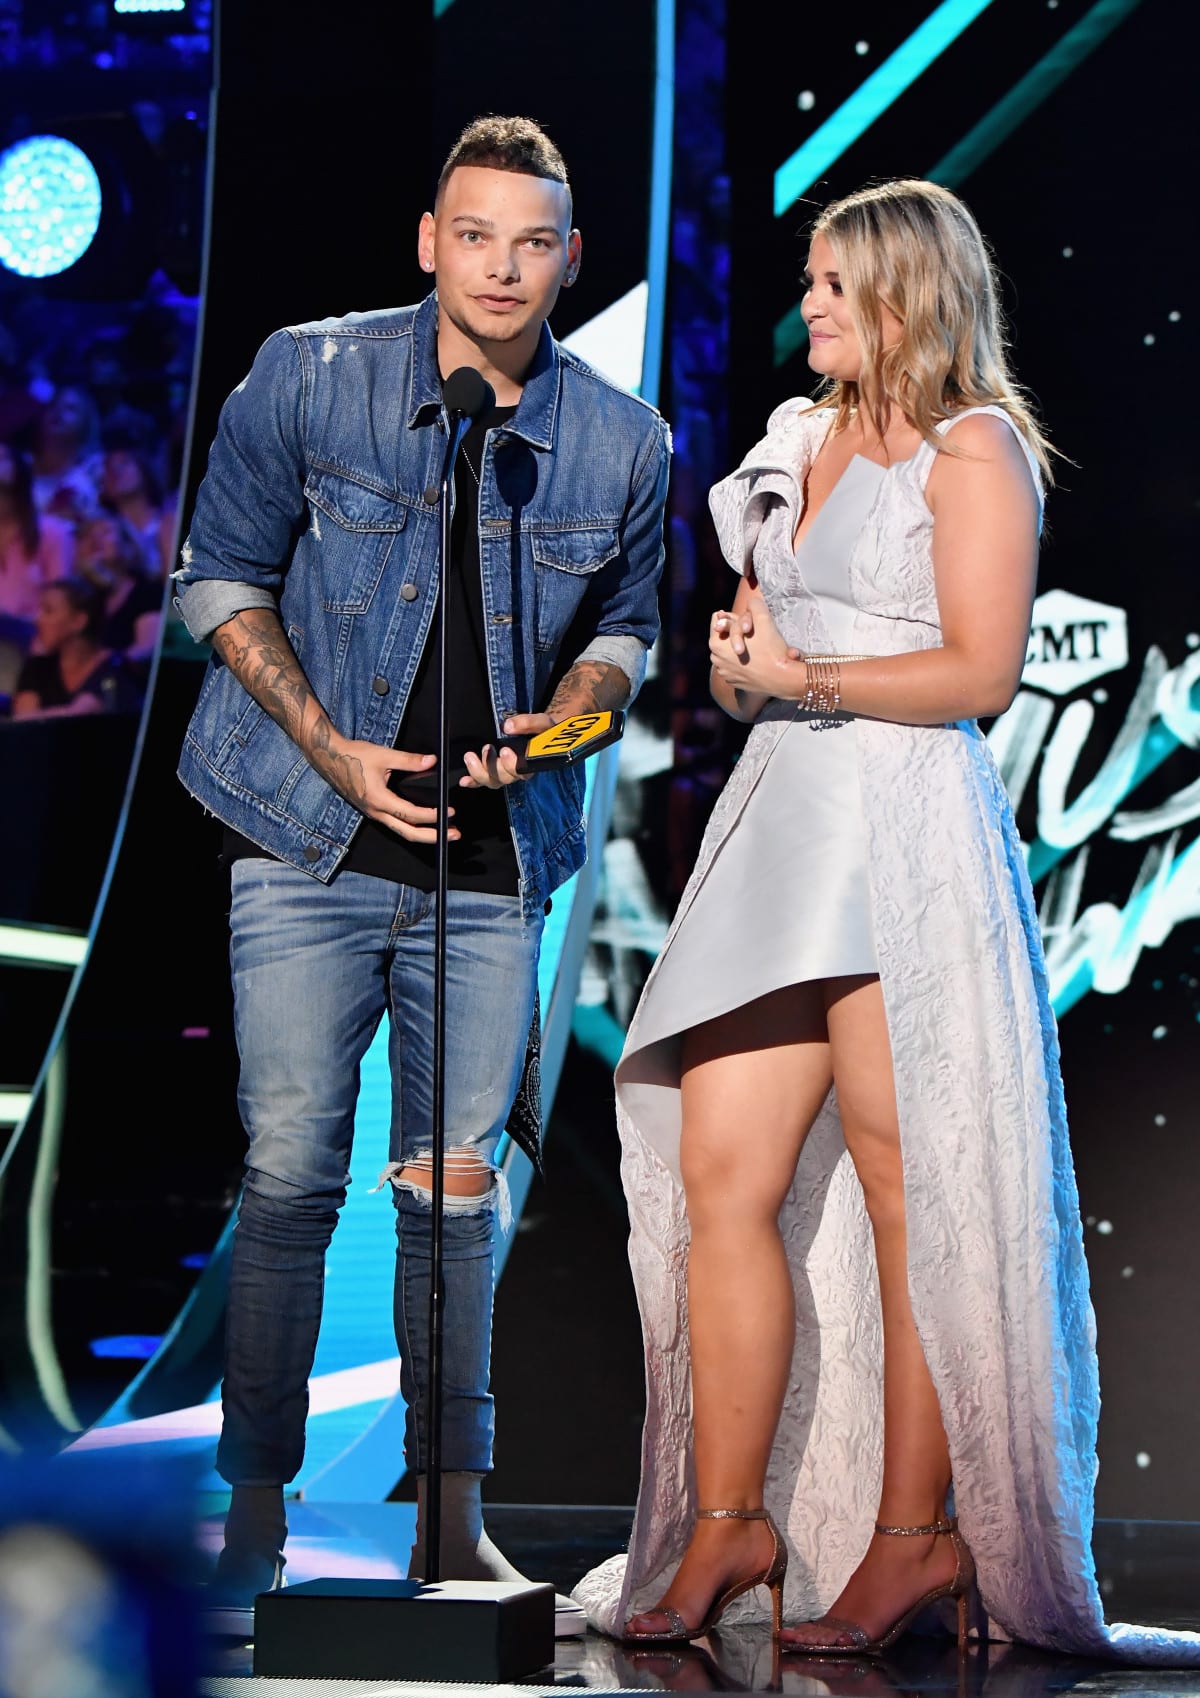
(1149, 1573)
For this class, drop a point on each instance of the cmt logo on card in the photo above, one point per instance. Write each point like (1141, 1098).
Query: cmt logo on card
(1074, 641)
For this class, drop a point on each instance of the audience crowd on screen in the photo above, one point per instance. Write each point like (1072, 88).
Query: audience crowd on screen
(88, 468)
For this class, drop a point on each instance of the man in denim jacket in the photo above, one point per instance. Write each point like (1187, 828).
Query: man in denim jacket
(311, 568)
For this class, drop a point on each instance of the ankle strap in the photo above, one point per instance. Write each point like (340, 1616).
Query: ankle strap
(946, 1526)
(731, 1515)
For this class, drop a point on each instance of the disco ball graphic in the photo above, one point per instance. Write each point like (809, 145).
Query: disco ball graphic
(49, 206)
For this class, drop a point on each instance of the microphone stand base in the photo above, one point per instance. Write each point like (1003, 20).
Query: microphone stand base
(492, 1631)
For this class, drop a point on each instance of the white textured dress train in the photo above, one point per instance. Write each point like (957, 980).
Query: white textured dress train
(926, 884)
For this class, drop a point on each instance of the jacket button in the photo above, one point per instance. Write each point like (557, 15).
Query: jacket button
(380, 686)
(312, 853)
(409, 592)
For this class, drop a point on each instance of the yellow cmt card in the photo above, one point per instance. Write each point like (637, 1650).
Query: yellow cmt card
(570, 740)
(572, 737)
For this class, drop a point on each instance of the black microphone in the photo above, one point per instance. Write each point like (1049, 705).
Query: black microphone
(467, 394)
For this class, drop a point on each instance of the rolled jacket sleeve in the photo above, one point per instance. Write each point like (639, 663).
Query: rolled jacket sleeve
(627, 653)
(251, 504)
(625, 596)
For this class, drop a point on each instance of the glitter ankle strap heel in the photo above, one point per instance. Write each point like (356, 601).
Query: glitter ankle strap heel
(677, 1631)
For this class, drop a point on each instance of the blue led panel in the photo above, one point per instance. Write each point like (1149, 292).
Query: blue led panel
(49, 206)
(871, 98)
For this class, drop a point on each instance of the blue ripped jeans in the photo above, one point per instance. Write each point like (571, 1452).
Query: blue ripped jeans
(315, 968)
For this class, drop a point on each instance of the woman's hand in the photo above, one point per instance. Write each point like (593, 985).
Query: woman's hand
(748, 653)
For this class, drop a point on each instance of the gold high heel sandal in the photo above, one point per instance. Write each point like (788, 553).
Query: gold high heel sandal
(678, 1631)
(960, 1588)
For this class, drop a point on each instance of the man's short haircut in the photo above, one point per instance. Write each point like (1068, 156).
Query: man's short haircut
(506, 144)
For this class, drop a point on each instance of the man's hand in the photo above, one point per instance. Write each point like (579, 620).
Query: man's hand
(492, 768)
(254, 646)
(589, 687)
(360, 772)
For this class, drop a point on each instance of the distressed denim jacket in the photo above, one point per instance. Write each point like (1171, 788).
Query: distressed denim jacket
(314, 503)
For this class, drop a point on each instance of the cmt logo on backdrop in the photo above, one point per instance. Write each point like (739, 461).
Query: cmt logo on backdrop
(1074, 641)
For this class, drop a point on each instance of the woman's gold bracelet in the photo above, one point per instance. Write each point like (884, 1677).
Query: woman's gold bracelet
(823, 680)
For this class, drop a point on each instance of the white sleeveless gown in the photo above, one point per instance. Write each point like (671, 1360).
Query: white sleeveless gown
(891, 844)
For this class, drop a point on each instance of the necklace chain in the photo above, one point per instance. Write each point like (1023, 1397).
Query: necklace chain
(470, 467)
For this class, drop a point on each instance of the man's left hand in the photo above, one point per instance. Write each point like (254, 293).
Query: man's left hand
(492, 769)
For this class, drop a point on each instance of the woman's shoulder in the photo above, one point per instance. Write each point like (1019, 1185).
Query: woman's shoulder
(991, 433)
(776, 462)
(799, 412)
(793, 429)
(987, 427)
(986, 423)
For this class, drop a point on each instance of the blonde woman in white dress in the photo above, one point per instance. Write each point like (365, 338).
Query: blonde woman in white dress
(855, 1230)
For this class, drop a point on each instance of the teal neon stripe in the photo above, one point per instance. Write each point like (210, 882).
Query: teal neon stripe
(598, 1031)
(659, 243)
(996, 126)
(1051, 70)
(791, 333)
(871, 98)
(440, 6)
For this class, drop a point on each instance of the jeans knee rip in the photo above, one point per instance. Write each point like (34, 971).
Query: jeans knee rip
(461, 1164)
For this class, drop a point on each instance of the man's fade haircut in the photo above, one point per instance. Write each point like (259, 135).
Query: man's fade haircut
(506, 144)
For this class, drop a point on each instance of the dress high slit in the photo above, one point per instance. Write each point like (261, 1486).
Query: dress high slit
(786, 898)
(878, 846)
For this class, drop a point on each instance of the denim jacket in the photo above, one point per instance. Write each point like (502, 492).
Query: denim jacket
(315, 503)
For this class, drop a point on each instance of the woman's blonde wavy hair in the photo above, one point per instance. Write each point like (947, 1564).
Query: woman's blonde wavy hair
(914, 248)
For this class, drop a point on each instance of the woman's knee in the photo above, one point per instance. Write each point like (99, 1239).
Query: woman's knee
(878, 1162)
(721, 1190)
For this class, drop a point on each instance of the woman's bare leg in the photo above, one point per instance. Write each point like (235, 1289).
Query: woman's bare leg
(916, 1463)
(753, 1082)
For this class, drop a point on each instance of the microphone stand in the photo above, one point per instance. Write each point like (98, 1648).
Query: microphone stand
(499, 1632)
(459, 419)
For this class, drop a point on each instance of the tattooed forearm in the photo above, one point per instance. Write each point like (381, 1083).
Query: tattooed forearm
(588, 687)
(255, 648)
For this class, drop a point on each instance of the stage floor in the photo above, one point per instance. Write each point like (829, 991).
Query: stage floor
(1149, 1573)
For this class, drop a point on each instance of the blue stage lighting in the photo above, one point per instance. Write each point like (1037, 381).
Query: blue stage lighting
(149, 5)
(49, 206)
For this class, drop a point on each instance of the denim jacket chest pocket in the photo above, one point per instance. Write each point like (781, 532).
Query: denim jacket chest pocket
(353, 526)
(564, 564)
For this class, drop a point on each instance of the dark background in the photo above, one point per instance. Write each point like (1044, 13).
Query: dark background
(1080, 173)
(326, 149)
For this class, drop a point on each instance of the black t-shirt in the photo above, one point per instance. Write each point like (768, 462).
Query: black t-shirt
(483, 859)
(120, 626)
(108, 680)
